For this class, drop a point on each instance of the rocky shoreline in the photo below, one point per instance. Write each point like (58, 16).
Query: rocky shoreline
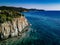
(11, 40)
(23, 32)
(12, 22)
(14, 28)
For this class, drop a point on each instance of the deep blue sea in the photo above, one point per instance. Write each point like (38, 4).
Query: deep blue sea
(45, 29)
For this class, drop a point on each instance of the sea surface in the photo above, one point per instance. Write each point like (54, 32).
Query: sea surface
(44, 29)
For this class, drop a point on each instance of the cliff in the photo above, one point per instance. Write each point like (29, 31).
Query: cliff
(12, 23)
(13, 28)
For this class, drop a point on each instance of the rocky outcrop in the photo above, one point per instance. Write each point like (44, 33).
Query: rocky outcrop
(13, 28)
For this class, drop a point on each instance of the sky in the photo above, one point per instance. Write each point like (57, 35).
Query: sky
(38, 4)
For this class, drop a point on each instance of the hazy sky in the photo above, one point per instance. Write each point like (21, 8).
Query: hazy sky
(39, 4)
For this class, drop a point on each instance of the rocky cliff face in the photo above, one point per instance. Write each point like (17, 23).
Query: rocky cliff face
(13, 28)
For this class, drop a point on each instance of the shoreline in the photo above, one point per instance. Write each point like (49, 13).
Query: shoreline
(23, 31)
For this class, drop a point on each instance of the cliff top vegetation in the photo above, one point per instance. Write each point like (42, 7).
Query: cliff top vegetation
(7, 14)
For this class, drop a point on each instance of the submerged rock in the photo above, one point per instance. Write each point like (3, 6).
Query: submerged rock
(13, 28)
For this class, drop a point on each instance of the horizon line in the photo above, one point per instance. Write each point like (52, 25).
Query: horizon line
(33, 8)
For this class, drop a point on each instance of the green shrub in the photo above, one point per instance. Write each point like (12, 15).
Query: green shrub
(8, 15)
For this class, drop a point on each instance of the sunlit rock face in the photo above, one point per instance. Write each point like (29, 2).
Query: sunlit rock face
(5, 30)
(13, 28)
